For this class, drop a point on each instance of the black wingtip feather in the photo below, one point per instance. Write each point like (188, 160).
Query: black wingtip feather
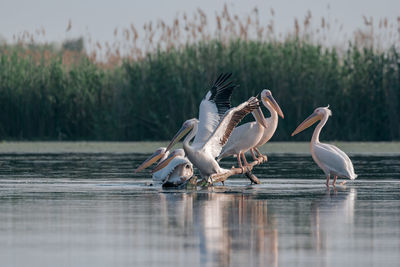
(221, 92)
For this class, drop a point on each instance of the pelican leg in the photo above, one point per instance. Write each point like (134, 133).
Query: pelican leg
(246, 164)
(328, 176)
(244, 159)
(265, 158)
(253, 155)
(334, 180)
(240, 163)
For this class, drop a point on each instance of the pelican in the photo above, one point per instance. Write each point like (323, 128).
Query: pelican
(253, 134)
(329, 158)
(203, 154)
(272, 122)
(174, 168)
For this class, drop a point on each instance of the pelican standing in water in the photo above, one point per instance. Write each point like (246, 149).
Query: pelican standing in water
(203, 154)
(174, 168)
(253, 134)
(329, 158)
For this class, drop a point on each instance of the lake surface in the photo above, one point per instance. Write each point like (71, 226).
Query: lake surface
(89, 209)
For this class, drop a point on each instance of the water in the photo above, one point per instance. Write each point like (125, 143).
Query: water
(91, 210)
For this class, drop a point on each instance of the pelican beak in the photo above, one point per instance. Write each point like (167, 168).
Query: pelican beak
(274, 104)
(150, 160)
(313, 118)
(260, 117)
(178, 136)
(163, 164)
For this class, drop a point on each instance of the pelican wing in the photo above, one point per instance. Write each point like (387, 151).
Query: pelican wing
(213, 107)
(335, 160)
(224, 129)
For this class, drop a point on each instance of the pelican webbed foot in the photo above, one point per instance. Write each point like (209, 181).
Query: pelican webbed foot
(264, 158)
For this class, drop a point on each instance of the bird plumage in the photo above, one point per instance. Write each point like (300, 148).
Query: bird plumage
(329, 158)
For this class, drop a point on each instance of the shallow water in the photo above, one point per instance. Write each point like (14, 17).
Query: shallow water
(91, 210)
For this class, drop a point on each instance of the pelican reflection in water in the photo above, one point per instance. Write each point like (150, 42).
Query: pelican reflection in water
(231, 229)
(332, 216)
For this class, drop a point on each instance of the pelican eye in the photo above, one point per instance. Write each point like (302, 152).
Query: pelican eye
(187, 166)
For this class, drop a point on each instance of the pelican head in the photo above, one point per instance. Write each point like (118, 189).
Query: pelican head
(186, 128)
(159, 153)
(267, 98)
(318, 114)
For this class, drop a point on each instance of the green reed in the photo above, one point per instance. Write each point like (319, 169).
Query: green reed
(148, 99)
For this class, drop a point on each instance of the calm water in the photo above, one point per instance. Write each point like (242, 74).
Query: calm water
(91, 210)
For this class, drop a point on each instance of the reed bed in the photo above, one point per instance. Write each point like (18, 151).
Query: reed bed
(149, 81)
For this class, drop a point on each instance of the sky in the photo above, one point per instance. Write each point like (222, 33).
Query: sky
(99, 18)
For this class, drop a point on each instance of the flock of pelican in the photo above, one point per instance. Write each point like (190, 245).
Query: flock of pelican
(216, 135)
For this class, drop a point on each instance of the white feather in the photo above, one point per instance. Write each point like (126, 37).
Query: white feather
(161, 175)
(333, 161)
(208, 120)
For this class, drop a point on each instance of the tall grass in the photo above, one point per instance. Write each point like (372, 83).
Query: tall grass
(144, 88)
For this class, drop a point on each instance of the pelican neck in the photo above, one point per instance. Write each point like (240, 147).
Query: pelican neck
(317, 130)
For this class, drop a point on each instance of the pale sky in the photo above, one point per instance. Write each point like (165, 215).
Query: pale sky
(99, 18)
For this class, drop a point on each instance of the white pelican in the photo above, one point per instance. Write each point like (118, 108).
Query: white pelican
(329, 158)
(272, 122)
(174, 168)
(253, 134)
(203, 154)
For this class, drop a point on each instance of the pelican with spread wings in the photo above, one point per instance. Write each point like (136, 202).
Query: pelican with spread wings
(203, 153)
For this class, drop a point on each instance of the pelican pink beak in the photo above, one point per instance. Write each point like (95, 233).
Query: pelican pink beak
(163, 164)
(270, 99)
(150, 160)
(313, 118)
(180, 134)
